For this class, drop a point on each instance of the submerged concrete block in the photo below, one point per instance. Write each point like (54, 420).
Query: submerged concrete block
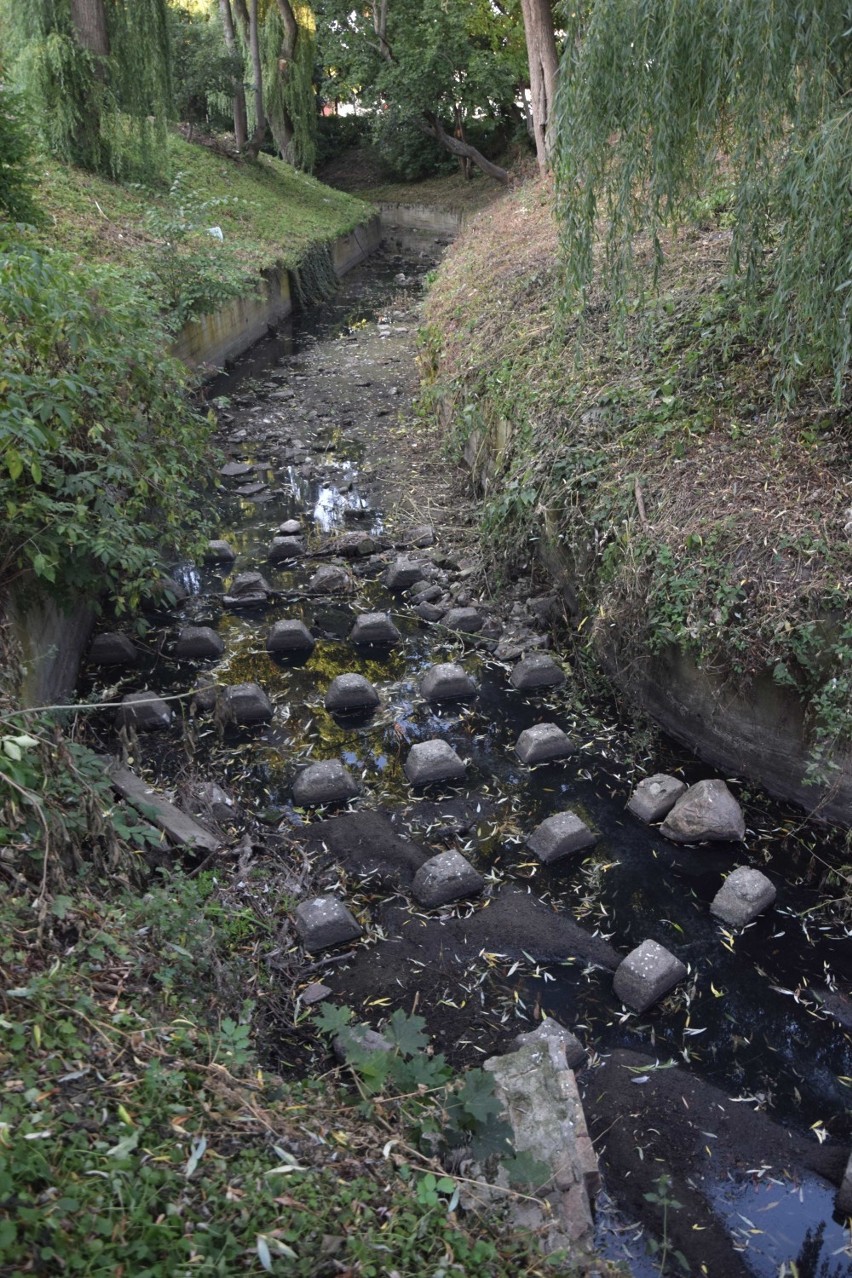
(113, 649)
(446, 877)
(431, 761)
(536, 671)
(374, 628)
(324, 922)
(331, 579)
(560, 835)
(219, 552)
(467, 620)
(402, 574)
(350, 692)
(283, 548)
(290, 635)
(198, 642)
(447, 682)
(244, 704)
(325, 782)
(541, 743)
(744, 894)
(144, 711)
(655, 796)
(646, 974)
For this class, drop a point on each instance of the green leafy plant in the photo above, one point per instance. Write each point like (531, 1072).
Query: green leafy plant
(661, 1248)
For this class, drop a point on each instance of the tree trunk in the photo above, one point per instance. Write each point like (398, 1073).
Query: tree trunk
(543, 63)
(256, 140)
(283, 129)
(432, 125)
(240, 116)
(90, 27)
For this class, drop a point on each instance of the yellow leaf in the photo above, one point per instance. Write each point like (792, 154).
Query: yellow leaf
(125, 1117)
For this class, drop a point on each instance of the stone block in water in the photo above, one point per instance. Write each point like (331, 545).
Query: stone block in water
(324, 922)
(708, 812)
(467, 620)
(331, 579)
(219, 552)
(245, 704)
(197, 642)
(432, 761)
(290, 635)
(446, 877)
(430, 611)
(535, 671)
(541, 743)
(647, 973)
(559, 836)
(113, 649)
(402, 574)
(447, 682)
(374, 628)
(284, 548)
(325, 782)
(655, 796)
(350, 692)
(143, 711)
(247, 590)
(290, 528)
(744, 894)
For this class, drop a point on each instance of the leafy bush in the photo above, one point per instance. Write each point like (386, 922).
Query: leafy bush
(16, 202)
(101, 452)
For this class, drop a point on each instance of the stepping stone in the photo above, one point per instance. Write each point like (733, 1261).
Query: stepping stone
(550, 1031)
(744, 894)
(445, 877)
(655, 796)
(647, 973)
(429, 612)
(330, 580)
(425, 592)
(290, 528)
(232, 470)
(431, 761)
(219, 552)
(283, 548)
(350, 692)
(402, 574)
(542, 742)
(198, 641)
(538, 670)
(447, 682)
(559, 836)
(245, 703)
(113, 649)
(374, 628)
(290, 636)
(708, 812)
(247, 590)
(354, 545)
(324, 922)
(326, 782)
(843, 1202)
(467, 620)
(143, 711)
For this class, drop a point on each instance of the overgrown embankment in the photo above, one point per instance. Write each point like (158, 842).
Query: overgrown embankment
(699, 531)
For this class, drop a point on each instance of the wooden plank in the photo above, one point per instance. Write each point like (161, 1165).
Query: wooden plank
(178, 828)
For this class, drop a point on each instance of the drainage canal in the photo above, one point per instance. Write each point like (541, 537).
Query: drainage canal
(738, 1083)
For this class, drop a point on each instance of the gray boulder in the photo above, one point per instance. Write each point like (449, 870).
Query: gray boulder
(113, 649)
(430, 612)
(647, 973)
(535, 671)
(283, 548)
(467, 620)
(541, 743)
(744, 894)
(290, 528)
(550, 1031)
(234, 469)
(207, 799)
(349, 692)
(447, 682)
(432, 761)
(245, 704)
(324, 922)
(708, 812)
(143, 711)
(325, 782)
(247, 590)
(331, 579)
(446, 877)
(560, 835)
(655, 796)
(374, 628)
(219, 552)
(198, 641)
(290, 635)
(402, 574)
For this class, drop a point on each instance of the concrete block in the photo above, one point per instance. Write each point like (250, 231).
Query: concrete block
(331, 579)
(374, 628)
(284, 548)
(446, 877)
(402, 574)
(559, 836)
(326, 782)
(708, 812)
(431, 761)
(744, 894)
(198, 642)
(350, 692)
(245, 704)
(467, 620)
(647, 973)
(144, 711)
(655, 796)
(551, 1031)
(113, 649)
(290, 635)
(324, 922)
(219, 552)
(536, 671)
(447, 682)
(541, 743)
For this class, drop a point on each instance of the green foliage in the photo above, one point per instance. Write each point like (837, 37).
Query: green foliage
(661, 1249)
(652, 95)
(203, 72)
(16, 182)
(101, 452)
(290, 98)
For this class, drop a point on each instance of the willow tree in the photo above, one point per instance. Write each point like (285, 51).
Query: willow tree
(658, 96)
(96, 76)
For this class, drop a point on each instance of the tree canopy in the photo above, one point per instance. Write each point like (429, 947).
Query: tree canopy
(659, 97)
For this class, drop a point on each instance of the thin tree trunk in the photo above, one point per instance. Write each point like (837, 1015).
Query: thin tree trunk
(256, 140)
(543, 63)
(239, 104)
(432, 125)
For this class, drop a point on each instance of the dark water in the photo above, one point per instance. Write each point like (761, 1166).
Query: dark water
(750, 1017)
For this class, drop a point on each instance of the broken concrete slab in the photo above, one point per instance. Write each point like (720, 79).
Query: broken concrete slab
(541, 743)
(447, 681)
(654, 797)
(432, 761)
(559, 836)
(707, 812)
(325, 782)
(351, 693)
(374, 628)
(646, 974)
(144, 711)
(446, 877)
(745, 893)
(535, 672)
(178, 828)
(576, 1055)
(324, 922)
(290, 635)
(198, 642)
(244, 704)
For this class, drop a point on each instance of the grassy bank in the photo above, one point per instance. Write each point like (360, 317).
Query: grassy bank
(692, 511)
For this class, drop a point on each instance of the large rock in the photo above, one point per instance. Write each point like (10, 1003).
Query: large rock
(432, 761)
(113, 649)
(536, 671)
(708, 812)
(446, 877)
(325, 782)
(324, 922)
(290, 635)
(655, 796)
(349, 693)
(647, 973)
(402, 574)
(331, 579)
(374, 628)
(559, 836)
(541, 743)
(467, 620)
(198, 641)
(551, 1031)
(447, 682)
(290, 528)
(143, 711)
(284, 548)
(744, 894)
(245, 704)
(219, 552)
